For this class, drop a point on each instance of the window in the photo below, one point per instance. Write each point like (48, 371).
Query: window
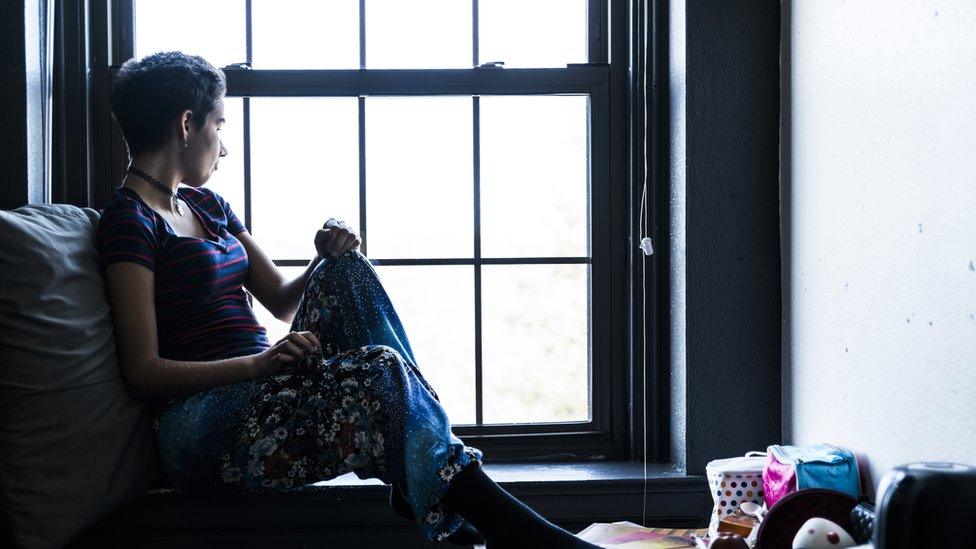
(493, 201)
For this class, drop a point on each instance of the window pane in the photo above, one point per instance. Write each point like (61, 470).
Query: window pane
(419, 177)
(276, 328)
(214, 30)
(535, 343)
(228, 179)
(534, 192)
(422, 34)
(436, 307)
(305, 34)
(304, 170)
(532, 33)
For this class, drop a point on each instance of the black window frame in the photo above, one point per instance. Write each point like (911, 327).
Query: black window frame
(612, 80)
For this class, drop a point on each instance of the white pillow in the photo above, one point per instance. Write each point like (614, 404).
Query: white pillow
(73, 444)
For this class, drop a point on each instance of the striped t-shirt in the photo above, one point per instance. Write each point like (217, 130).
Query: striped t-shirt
(202, 310)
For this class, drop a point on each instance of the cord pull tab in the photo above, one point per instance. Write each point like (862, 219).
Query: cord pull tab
(647, 246)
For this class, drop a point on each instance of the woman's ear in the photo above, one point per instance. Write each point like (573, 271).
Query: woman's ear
(186, 118)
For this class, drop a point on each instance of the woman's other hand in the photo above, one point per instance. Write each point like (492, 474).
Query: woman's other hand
(335, 239)
(290, 349)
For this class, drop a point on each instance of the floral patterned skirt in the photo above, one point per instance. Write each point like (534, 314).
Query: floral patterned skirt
(362, 405)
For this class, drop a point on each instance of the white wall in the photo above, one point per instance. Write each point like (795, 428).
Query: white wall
(879, 202)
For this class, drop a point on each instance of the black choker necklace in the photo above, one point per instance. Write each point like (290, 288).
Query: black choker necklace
(159, 186)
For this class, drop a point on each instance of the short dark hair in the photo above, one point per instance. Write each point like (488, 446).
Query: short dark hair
(149, 93)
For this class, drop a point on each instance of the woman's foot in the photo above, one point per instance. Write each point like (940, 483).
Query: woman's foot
(503, 520)
(466, 534)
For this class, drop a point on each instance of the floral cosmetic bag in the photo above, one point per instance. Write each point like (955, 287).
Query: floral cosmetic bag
(792, 468)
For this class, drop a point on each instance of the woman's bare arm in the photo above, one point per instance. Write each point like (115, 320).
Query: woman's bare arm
(147, 376)
(278, 295)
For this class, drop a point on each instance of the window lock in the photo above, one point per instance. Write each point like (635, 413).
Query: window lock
(492, 65)
(237, 67)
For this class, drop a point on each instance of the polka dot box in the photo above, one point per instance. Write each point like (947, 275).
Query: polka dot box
(733, 481)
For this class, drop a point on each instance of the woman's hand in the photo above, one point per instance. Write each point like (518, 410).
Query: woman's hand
(335, 239)
(292, 348)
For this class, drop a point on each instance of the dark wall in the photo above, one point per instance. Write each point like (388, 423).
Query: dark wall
(732, 267)
(13, 115)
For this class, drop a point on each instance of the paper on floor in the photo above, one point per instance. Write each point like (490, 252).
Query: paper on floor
(627, 535)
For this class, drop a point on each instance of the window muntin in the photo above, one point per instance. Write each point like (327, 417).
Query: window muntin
(304, 158)
(436, 305)
(533, 33)
(534, 176)
(419, 176)
(214, 30)
(305, 34)
(536, 363)
(420, 34)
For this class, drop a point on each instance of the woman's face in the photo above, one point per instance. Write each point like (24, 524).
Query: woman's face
(206, 149)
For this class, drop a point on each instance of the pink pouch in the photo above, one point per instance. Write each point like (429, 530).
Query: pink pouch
(792, 468)
(779, 480)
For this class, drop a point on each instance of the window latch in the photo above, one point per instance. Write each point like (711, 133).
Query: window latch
(237, 67)
(492, 65)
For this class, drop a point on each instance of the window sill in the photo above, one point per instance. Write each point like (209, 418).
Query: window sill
(573, 495)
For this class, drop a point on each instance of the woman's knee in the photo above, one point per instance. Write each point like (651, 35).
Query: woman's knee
(351, 259)
(334, 272)
(384, 356)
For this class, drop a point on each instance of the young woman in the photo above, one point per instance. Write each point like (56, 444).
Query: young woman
(235, 414)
